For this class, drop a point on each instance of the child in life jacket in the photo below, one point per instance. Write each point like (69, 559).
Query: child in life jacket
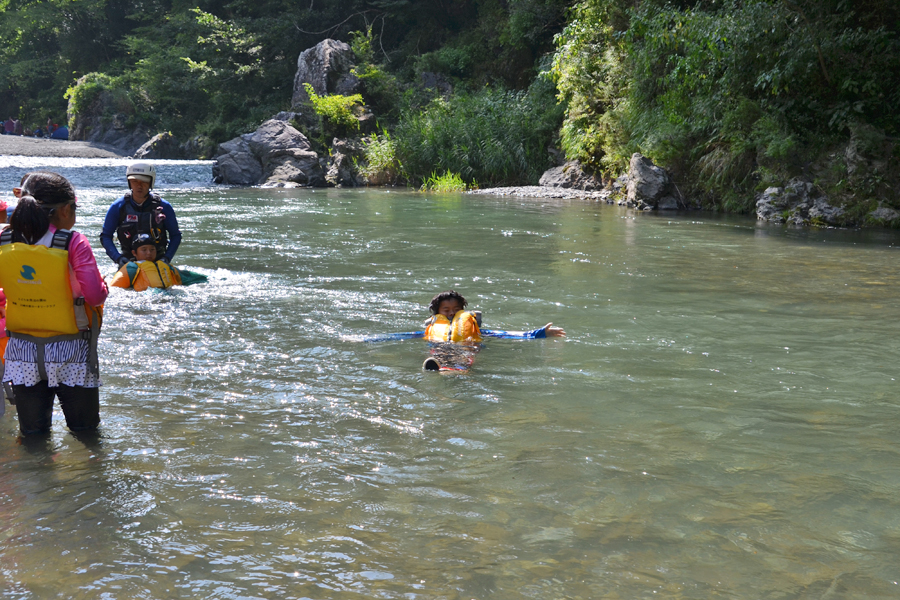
(145, 271)
(456, 334)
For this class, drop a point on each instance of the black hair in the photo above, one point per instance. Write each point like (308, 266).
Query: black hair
(448, 295)
(142, 239)
(42, 193)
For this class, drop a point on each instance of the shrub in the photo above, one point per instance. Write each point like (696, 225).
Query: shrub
(380, 158)
(448, 182)
(335, 109)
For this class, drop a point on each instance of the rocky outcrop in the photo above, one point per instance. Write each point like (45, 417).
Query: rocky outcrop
(98, 127)
(571, 176)
(887, 217)
(108, 120)
(161, 145)
(326, 66)
(275, 154)
(165, 145)
(435, 81)
(650, 187)
(798, 203)
(342, 170)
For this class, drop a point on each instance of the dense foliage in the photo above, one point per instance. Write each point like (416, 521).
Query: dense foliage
(734, 95)
(218, 66)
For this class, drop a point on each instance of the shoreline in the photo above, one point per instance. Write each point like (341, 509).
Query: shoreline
(17, 145)
(545, 192)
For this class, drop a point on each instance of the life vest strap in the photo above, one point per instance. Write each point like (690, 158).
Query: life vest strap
(61, 239)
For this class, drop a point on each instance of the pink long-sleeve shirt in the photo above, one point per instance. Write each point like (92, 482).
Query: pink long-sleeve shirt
(88, 281)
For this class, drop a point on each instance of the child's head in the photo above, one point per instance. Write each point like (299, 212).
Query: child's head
(447, 303)
(143, 247)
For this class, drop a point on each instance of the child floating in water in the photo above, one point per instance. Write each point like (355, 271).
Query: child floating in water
(456, 333)
(146, 272)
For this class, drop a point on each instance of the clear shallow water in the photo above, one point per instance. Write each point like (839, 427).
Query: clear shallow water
(721, 421)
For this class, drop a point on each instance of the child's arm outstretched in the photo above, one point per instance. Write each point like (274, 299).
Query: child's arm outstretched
(546, 331)
(384, 337)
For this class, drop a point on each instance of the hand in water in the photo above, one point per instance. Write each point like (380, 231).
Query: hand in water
(554, 331)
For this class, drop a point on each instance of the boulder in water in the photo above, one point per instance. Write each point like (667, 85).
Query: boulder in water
(275, 153)
(650, 187)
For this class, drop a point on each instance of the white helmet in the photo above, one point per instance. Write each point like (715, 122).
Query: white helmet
(141, 170)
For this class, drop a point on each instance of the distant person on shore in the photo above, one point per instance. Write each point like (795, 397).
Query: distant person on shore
(55, 297)
(9, 126)
(60, 133)
(38, 133)
(140, 211)
(49, 128)
(18, 128)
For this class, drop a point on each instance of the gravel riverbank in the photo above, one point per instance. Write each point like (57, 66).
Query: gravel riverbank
(537, 191)
(17, 145)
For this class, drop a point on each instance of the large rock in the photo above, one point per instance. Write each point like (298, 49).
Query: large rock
(798, 203)
(274, 154)
(326, 66)
(885, 216)
(650, 187)
(571, 176)
(161, 145)
(342, 171)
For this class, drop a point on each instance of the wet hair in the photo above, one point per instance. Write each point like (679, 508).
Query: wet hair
(42, 193)
(448, 295)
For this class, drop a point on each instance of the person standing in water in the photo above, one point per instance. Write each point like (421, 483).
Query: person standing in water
(140, 211)
(55, 297)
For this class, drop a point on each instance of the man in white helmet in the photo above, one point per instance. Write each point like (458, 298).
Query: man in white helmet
(140, 211)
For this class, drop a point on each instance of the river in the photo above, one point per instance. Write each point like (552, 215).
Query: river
(720, 422)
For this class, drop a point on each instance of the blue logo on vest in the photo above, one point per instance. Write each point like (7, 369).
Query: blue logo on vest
(27, 272)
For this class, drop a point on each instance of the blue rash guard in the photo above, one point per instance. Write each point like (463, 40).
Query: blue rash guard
(494, 333)
(111, 224)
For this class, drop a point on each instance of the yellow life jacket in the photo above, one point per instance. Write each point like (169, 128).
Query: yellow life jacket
(463, 328)
(38, 290)
(148, 273)
(40, 306)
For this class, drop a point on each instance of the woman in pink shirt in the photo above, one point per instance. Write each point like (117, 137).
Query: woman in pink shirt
(54, 326)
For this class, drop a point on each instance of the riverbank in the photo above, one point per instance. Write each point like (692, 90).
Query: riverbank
(17, 145)
(539, 191)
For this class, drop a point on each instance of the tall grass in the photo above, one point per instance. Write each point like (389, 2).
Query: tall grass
(448, 182)
(493, 136)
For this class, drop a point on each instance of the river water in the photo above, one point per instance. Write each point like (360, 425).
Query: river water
(720, 422)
